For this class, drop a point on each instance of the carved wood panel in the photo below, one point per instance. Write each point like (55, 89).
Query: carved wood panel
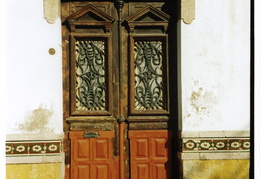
(150, 154)
(92, 157)
(116, 79)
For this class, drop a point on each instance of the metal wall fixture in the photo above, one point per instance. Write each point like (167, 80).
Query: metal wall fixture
(52, 51)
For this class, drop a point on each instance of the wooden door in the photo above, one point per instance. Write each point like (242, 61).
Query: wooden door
(116, 89)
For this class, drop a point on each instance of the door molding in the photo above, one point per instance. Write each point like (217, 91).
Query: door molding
(115, 37)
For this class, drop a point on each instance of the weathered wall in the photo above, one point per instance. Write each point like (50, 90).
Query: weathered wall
(214, 90)
(224, 169)
(214, 59)
(214, 62)
(34, 82)
(3, 86)
(34, 171)
(34, 127)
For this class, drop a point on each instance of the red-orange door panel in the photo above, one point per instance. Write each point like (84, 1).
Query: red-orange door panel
(92, 158)
(149, 154)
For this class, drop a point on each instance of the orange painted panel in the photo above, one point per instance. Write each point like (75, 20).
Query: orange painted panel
(92, 158)
(101, 171)
(160, 150)
(101, 149)
(143, 171)
(83, 144)
(84, 172)
(160, 172)
(149, 154)
(142, 148)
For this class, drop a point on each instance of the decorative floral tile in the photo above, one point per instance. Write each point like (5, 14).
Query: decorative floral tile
(33, 148)
(234, 144)
(53, 147)
(9, 148)
(220, 144)
(214, 144)
(20, 148)
(36, 148)
(189, 145)
(245, 144)
(205, 145)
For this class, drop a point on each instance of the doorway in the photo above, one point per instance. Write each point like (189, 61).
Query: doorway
(117, 101)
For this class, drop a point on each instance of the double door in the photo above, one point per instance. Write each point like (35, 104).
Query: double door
(116, 90)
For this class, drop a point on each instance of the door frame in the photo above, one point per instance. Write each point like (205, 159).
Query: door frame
(172, 124)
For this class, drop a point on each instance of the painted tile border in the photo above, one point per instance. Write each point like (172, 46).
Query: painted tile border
(215, 144)
(33, 148)
(214, 141)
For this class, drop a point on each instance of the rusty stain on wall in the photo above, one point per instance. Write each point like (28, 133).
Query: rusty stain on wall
(37, 119)
(202, 100)
(202, 105)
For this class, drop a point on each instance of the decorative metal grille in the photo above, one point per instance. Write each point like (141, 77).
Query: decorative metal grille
(148, 56)
(90, 74)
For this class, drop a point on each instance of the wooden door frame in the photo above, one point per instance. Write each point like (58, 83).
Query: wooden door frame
(67, 85)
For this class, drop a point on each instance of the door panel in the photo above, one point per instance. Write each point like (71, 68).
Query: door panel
(149, 154)
(92, 157)
(116, 89)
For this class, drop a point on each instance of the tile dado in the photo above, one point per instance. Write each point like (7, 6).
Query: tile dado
(214, 145)
(32, 148)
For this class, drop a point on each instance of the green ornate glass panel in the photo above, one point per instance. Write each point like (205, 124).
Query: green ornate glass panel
(90, 74)
(148, 70)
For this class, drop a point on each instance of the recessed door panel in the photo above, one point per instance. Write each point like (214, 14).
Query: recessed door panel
(102, 171)
(156, 164)
(83, 172)
(142, 171)
(92, 157)
(159, 171)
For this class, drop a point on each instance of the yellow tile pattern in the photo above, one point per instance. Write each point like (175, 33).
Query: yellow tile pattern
(216, 169)
(33, 171)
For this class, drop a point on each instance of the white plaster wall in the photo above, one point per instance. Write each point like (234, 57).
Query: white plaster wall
(214, 53)
(34, 77)
(3, 87)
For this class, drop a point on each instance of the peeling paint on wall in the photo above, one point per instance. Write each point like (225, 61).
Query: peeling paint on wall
(202, 106)
(37, 119)
(201, 100)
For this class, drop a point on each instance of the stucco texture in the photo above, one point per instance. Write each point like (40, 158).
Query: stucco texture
(33, 171)
(216, 169)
